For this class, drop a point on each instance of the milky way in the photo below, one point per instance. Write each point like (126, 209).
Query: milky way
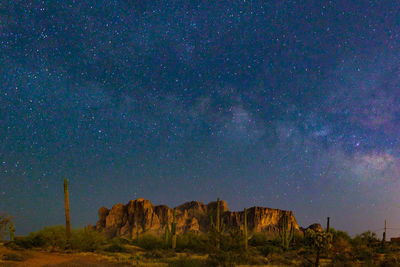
(278, 104)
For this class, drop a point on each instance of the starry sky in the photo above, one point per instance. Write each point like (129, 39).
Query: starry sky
(285, 104)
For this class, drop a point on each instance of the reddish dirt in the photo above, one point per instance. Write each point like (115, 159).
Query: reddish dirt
(33, 258)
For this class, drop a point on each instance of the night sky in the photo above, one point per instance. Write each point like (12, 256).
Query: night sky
(285, 104)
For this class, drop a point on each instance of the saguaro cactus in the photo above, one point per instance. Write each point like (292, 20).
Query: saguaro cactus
(246, 244)
(327, 224)
(173, 231)
(67, 218)
(219, 227)
(286, 232)
(166, 235)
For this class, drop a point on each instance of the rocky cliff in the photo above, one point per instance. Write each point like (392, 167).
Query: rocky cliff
(139, 216)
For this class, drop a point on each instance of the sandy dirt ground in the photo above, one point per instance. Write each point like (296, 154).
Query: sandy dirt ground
(34, 258)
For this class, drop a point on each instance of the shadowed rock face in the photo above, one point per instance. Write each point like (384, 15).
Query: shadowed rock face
(140, 215)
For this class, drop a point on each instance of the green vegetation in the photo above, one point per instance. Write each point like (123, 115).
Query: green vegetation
(246, 238)
(216, 231)
(220, 247)
(54, 239)
(6, 227)
(150, 242)
(286, 232)
(14, 257)
(173, 231)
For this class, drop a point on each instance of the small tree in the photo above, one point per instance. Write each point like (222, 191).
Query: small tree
(11, 229)
(6, 227)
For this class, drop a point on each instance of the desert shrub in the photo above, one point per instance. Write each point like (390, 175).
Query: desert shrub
(116, 247)
(271, 248)
(150, 241)
(11, 245)
(233, 241)
(391, 260)
(298, 240)
(367, 238)
(223, 259)
(364, 246)
(6, 227)
(52, 237)
(191, 241)
(256, 260)
(340, 249)
(228, 258)
(13, 257)
(258, 239)
(30, 241)
(340, 234)
(362, 252)
(159, 254)
(117, 244)
(282, 259)
(187, 262)
(340, 261)
(87, 240)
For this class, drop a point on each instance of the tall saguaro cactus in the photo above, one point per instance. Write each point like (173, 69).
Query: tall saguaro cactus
(219, 226)
(327, 224)
(246, 243)
(67, 218)
(286, 232)
(166, 235)
(173, 231)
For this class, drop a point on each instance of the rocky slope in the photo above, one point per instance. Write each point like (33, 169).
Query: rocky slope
(140, 215)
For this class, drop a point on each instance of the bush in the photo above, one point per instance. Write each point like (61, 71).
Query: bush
(30, 241)
(159, 254)
(115, 247)
(258, 239)
(187, 262)
(271, 248)
(391, 260)
(52, 237)
(150, 241)
(223, 258)
(233, 241)
(367, 238)
(14, 257)
(87, 240)
(192, 241)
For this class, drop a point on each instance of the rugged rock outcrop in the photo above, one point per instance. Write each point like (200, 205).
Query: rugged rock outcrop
(315, 227)
(140, 215)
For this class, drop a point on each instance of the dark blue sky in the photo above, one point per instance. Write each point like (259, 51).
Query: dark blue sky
(273, 103)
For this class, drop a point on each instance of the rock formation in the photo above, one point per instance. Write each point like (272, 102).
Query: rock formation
(315, 227)
(139, 216)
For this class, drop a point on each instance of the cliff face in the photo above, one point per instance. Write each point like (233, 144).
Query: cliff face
(140, 215)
